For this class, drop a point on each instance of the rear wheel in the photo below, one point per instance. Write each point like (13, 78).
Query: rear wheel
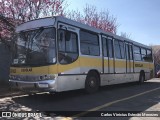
(92, 82)
(141, 78)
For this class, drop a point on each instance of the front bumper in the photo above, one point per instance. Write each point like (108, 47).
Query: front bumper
(38, 86)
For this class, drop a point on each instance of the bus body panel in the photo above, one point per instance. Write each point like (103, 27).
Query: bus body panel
(120, 66)
(70, 82)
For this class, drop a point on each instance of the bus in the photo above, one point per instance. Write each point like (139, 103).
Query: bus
(56, 54)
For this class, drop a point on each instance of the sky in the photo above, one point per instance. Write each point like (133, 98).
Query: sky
(138, 18)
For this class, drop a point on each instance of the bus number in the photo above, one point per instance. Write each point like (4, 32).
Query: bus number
(12, 70)
(138, 65)
(26, 70)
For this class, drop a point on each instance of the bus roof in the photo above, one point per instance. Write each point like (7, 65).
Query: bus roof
(50, 21)
(42, 22)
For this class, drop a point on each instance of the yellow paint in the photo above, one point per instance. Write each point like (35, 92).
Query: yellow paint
(151, 66)
(53, 69)
(81, 62)
(130, 65)
(105, 63)
(63, 68)
(120, 64)
(35, 70)
(90, 62)
(145, 65)
(113, 102)
(111, 64)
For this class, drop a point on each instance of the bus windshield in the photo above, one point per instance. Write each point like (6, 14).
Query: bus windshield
(36, 47)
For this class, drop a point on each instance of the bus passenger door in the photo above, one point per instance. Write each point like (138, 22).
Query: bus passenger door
(129, 58)
(68, 62)
(105, 55)
(110, 55)
(108, 61)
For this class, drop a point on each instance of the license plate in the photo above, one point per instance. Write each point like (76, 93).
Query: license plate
(43, 85)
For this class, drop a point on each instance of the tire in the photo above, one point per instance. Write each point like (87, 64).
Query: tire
(141, 78)
(92, 83)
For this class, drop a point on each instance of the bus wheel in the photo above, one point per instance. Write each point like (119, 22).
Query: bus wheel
(92, 82)
(141, 78)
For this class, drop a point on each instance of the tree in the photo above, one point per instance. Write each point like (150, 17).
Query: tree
(7, 31)
(90, 16)
(14, 12)
(6, 27)
(25, 10)
(156, 54)
(125, 35)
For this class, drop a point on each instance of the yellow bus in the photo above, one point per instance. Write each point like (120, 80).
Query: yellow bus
(58, 54)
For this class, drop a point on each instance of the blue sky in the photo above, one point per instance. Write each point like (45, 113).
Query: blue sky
(140, 18)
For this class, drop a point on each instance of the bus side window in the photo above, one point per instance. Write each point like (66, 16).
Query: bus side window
(89, 43)
(127, 52)
(71, 43)
(110, 48)
(122, 49)
(149, 56)
(130, 52)
(137, 53)
(119, 49)
(143, 53)
(68, 47)
(61, 40)
(105, 48)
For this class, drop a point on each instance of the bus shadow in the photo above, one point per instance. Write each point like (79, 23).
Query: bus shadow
(79, 101)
